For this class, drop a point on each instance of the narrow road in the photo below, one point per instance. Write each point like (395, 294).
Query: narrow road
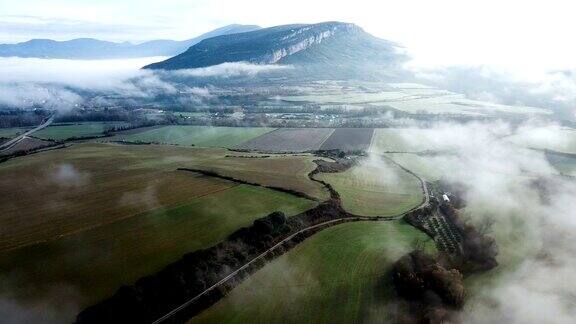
(20, 137)
(425, 203)
(233, 274)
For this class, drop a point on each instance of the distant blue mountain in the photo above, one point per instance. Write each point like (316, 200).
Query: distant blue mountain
(328, 43)
(87, 48)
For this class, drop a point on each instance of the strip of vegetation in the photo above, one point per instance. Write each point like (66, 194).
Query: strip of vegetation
(154, 296)
(248, 156)
(211, 173)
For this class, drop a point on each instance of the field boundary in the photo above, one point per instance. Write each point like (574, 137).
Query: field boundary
(280, 189)
(327, 137)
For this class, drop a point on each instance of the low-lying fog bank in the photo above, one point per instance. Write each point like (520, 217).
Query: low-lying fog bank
(529, 208)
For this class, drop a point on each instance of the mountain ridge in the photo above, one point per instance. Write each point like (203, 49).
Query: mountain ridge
(331, 43)
(90, 48)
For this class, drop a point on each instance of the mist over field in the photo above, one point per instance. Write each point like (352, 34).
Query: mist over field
(531, 218)
(535, 235)
(64, 84)
(553, 89)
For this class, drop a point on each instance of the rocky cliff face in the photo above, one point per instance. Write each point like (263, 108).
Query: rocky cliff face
(330, 43)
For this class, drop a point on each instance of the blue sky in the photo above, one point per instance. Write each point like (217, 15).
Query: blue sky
(523, 33)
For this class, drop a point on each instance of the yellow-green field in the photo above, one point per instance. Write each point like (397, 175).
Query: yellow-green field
(97, 261)
(339, 275)
(376, 187)
(202, 136)
(60, 132)
(11, 132)
(405, 140)
(284, 171)
(92, 217)
(91, 184)
(427, 167)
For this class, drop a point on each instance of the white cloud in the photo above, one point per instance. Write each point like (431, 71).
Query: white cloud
(68, 176)
(21, 95)
(525, 87)
(230, 69)
(535, 229)
(89, 74)
(59, 83)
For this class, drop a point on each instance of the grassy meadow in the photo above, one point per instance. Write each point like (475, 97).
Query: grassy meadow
(404, 140)
(284, 171)
(12, 132)
(91, 184)
(61, 132)
(427, 167)
(97, 261)
(111, 213)
(376, 188)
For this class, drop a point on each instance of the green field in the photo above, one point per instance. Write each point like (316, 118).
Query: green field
(429, 168)
(111, 214)
(11, 132)
(284, 171)
(60, 132)
(351, 97)
(97, 261)
(90, 184)
(376, 188)
(416, 99)
(339, 275)
(202, 136)
(405, 140)
(456, 104)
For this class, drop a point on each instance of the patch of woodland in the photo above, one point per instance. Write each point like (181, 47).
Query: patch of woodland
(431, 289)
(479, 250)
(428, 291)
